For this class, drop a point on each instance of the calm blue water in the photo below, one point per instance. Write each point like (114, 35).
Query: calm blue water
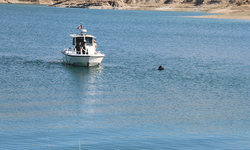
(200, 101)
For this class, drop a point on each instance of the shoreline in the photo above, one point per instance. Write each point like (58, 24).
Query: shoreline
(224, 11)
(229, 12)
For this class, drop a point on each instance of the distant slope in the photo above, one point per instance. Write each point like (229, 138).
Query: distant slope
(235, 7)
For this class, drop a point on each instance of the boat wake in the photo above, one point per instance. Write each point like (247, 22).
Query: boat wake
(28, 62)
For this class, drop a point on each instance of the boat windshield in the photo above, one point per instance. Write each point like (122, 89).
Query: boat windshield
(89, 41)
(81, 39)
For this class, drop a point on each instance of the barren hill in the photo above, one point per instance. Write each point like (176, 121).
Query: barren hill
(126, 3)
(239, 9)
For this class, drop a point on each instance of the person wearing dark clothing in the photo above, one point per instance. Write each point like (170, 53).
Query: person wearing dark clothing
(84, 48)
(78, 48)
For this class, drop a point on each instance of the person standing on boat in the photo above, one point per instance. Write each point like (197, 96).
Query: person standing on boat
(78, 48)
(84, 48)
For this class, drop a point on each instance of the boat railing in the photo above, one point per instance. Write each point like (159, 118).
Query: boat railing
(72, 51)
(84, 53)
(98, 52)
(67, 49)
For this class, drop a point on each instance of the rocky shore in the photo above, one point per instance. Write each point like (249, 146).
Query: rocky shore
(228, 9)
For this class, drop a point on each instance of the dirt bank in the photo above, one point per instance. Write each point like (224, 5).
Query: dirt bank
(229, 12)
(227, 9)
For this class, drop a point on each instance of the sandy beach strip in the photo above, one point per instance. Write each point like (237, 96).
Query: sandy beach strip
(229, 12)
(224, 16)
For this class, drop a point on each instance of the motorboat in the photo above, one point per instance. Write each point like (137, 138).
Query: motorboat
(86, 57)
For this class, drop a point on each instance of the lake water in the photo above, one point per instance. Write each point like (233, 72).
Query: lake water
(200, 101)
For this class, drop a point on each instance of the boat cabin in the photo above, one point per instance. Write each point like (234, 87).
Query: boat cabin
(83, 37)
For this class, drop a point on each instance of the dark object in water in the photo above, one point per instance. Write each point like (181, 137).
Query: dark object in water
(160, 68)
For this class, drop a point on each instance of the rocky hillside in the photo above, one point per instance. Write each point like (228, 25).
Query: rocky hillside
(133, 4)
(43, 2)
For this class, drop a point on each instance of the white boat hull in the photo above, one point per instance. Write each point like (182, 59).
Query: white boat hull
(83, 59)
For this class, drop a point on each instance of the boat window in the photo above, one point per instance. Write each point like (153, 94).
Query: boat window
(79, 39)
(89, 41)
(74, 41)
